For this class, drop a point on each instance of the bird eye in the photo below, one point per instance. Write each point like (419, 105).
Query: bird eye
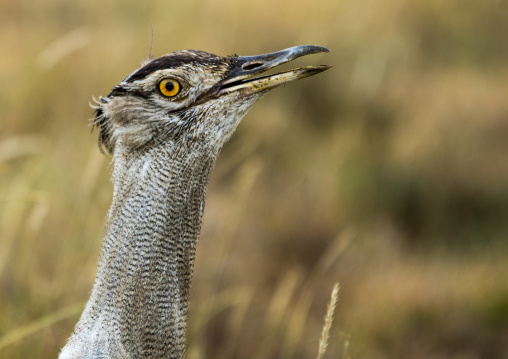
(169, 87)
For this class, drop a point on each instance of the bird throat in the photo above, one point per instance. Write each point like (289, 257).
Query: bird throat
(145, 269)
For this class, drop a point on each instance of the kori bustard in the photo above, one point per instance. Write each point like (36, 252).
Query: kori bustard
(164, 125)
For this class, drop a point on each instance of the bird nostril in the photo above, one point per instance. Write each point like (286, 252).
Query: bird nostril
(252, 65)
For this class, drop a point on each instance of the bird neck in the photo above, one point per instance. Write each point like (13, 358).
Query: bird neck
(138, 304)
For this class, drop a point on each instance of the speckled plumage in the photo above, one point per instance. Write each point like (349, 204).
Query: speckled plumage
(163, 151)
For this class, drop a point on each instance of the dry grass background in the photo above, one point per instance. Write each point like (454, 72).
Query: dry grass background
(388, 173)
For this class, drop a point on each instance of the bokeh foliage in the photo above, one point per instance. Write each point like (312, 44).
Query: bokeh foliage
(387, 173)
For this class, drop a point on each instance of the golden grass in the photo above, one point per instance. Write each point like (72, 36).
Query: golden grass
(325, 332)
(21, 333)
(387, 173)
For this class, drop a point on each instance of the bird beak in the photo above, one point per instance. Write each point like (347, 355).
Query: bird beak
(243, 77)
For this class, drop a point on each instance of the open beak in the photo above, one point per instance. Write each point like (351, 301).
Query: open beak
(244, 78)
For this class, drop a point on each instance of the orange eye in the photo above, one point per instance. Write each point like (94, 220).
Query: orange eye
(169, 87)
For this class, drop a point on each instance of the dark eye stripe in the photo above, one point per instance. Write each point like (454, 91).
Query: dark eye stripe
(174, 60)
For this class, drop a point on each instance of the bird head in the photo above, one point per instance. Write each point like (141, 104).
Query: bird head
(192, 98)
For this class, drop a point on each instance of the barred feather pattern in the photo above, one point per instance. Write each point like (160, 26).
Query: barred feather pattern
(138, 306)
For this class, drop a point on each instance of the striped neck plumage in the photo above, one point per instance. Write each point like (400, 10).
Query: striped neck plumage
(145, 269)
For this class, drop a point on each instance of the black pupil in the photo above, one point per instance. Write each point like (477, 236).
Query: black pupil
(169, 86)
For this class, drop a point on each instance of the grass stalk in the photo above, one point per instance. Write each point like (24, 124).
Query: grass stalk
(325, 333)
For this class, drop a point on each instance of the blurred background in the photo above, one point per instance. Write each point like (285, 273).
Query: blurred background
(387, 173)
